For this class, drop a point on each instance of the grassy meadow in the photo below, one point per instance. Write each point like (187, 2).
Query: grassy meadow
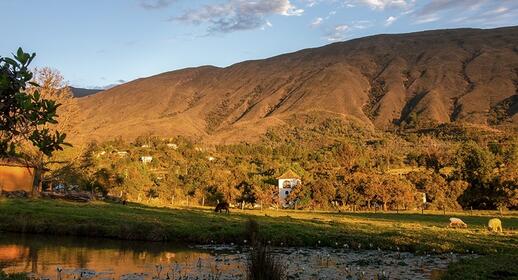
(413, 232)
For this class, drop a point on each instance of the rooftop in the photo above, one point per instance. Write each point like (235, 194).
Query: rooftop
(290, 174)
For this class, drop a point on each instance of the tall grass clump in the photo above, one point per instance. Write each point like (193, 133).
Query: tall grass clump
(14, 276)
(262, 265)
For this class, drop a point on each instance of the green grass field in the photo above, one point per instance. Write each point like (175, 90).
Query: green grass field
(409, 231)
(502, 267)
(415, 232)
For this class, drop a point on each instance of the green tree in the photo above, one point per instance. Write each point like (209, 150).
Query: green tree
(476, 165)
(23, 115)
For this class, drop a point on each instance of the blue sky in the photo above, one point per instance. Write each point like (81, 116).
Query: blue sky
(97, 43)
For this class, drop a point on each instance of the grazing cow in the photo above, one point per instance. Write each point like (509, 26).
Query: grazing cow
(495, 225)
(222, 206)
(457, 223)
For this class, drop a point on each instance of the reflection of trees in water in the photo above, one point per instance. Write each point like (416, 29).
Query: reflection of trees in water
(43, 253)
(82, 258)
(33, 253)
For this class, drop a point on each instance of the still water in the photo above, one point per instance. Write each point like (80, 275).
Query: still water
(51, 257)
(66, 258)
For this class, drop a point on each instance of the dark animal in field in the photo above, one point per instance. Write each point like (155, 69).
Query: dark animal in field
(222, 206)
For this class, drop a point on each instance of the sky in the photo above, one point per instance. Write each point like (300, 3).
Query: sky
(101, 43)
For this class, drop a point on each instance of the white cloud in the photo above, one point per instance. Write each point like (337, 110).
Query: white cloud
(383, 4)
(338, 33)
(494, 15)
(342, 28)
(361, 24)
(311, 3)
(436, 6)
(267, 24)
(427, 19)
(155, 4)
(109, 86)
(390, 20)
(234, 15)
(497, 11)
(488, 13)
(316, 22)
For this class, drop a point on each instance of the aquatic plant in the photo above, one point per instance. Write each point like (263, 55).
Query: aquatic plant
(13, 276)
(262, 265)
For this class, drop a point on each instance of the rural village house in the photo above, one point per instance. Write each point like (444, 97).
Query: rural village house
(172, 146)
(287, 182)
(146, 159)
(17, 175)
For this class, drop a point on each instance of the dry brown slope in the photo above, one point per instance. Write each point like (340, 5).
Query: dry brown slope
(443, 75)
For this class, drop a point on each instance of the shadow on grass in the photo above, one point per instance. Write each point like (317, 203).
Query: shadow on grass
(501, 267)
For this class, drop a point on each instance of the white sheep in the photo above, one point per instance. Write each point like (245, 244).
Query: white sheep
(495, 225)
(457, 223)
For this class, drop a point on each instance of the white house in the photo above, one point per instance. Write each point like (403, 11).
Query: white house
(172, 146)
(122, 153)
(421, 196)
(146, 159)
(287, 182)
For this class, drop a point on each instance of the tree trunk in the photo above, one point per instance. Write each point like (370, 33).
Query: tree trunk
(36, 185)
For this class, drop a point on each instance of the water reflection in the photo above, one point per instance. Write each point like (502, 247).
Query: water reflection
(60, 258)
(106, 259)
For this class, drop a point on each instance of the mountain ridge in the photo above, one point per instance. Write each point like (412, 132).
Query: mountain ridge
(82, 92)
(382, 81)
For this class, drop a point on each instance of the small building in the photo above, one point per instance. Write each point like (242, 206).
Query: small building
(122, 154)
(287, 182)
(172, 146)
(17, 175)
(421, 197)
(146, 159)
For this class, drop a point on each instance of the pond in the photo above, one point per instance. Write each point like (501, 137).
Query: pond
(66, 258)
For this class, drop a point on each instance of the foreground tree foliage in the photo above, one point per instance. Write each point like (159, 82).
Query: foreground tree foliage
(25, 115)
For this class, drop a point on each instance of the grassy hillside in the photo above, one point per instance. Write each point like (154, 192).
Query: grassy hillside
(408, 231)
(383, 81)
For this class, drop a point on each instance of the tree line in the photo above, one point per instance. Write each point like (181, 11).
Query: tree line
(341, 165)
